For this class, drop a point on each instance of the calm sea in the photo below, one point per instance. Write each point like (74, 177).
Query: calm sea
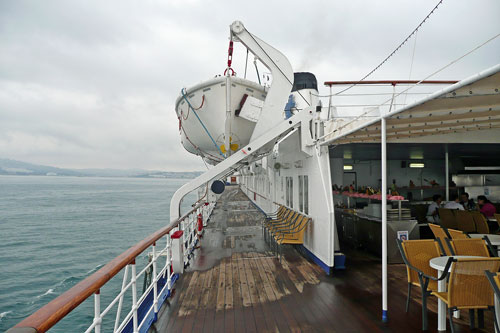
(55, 231)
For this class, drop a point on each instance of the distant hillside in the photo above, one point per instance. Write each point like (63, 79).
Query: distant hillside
(12, 167)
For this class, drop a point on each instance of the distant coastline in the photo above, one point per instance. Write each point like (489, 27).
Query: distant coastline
(18, 168)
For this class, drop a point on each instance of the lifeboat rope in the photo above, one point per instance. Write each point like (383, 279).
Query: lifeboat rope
(199, 107)
(201, 122)
(200, 151)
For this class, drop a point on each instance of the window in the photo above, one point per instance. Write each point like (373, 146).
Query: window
(306, 195)
(301, 194)
(289, 191)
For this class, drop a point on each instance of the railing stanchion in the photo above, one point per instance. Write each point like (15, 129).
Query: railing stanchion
(120, 302)
(168, 261)
(97, 311)
(155, 280)
(134, 297)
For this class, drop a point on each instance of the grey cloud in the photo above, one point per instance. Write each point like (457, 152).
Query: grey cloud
(93, 83)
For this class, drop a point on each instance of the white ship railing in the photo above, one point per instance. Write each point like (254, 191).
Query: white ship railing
(163, 278)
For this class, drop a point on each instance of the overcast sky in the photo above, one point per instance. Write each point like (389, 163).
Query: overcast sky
(93, 83)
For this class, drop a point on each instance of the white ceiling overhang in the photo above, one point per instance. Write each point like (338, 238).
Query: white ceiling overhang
(468, 110)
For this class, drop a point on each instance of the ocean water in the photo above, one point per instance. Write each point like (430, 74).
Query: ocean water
(55, 231)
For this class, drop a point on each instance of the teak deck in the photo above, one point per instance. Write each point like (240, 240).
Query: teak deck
(235, 284)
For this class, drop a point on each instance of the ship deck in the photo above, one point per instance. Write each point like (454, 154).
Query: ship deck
(235, 284)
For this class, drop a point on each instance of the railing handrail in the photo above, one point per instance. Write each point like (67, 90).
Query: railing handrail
(51, 313)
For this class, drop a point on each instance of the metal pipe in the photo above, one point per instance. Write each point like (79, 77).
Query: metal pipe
(134, 297)
(155, 279)
(97, 311)
(229, 116)
(384, 220)
(120, 303)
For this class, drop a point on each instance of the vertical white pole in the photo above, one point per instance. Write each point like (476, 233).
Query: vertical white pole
(384, 220)
(155, 280)
(120, 302)
(97, 311)
(227, 131)
(134, 297)
(447, 174)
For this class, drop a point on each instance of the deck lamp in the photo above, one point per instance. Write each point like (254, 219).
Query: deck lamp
(347, 167)
(417, 165)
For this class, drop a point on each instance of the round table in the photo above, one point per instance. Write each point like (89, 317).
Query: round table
(494, 239)
(439, 263)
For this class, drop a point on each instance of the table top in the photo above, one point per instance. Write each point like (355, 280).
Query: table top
(494, 239)
(440, 262)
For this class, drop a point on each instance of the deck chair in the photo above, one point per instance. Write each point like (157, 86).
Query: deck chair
(494, 278)
(481, 222)
(280, 218)
(457, 234)
(447, 217)
(289, 218)
(416, 255)
(468, 288)
(294, 236)
(468, 247)
(465, 221)
(280, 211)
(441, 233)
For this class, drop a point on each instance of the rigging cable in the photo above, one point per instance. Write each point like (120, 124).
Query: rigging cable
(395, 50)
(411, 63)
(416, 84)
(246, 65)
(201, 122)
(256, 69)
(286, 77)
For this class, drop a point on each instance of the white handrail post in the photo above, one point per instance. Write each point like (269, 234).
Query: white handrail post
(120, 302)
(97, 311)
(134, 297)
(155, 284)
(168, 262)
(384, 220)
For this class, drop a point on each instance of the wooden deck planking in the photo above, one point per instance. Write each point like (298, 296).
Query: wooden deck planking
(246, 289)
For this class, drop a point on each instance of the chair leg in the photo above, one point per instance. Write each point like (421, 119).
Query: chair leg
(450, 315)
(480, 318)
(408, 299)
(472, 320)
(425, 323)
(495, 321)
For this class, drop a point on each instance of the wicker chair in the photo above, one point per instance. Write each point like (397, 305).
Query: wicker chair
(286, 222)
(284, 219)
(468, 287)
(281, 210)
(441, 233)
(457, 234)
(294, 235)
(465, 221)
(447, 217)
(416, 255)
(481, 222)
(468, 247)
(494, 278)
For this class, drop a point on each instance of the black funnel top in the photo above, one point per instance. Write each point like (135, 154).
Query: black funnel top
(304, 80)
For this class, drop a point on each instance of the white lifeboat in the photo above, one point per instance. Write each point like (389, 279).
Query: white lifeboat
(201, 110)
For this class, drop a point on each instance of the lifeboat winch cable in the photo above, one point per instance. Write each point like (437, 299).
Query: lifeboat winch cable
(201, 122)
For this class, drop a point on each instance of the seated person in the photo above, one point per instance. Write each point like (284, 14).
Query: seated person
(432, 210)
(454, 203)
(485, 206)
(468, 204)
